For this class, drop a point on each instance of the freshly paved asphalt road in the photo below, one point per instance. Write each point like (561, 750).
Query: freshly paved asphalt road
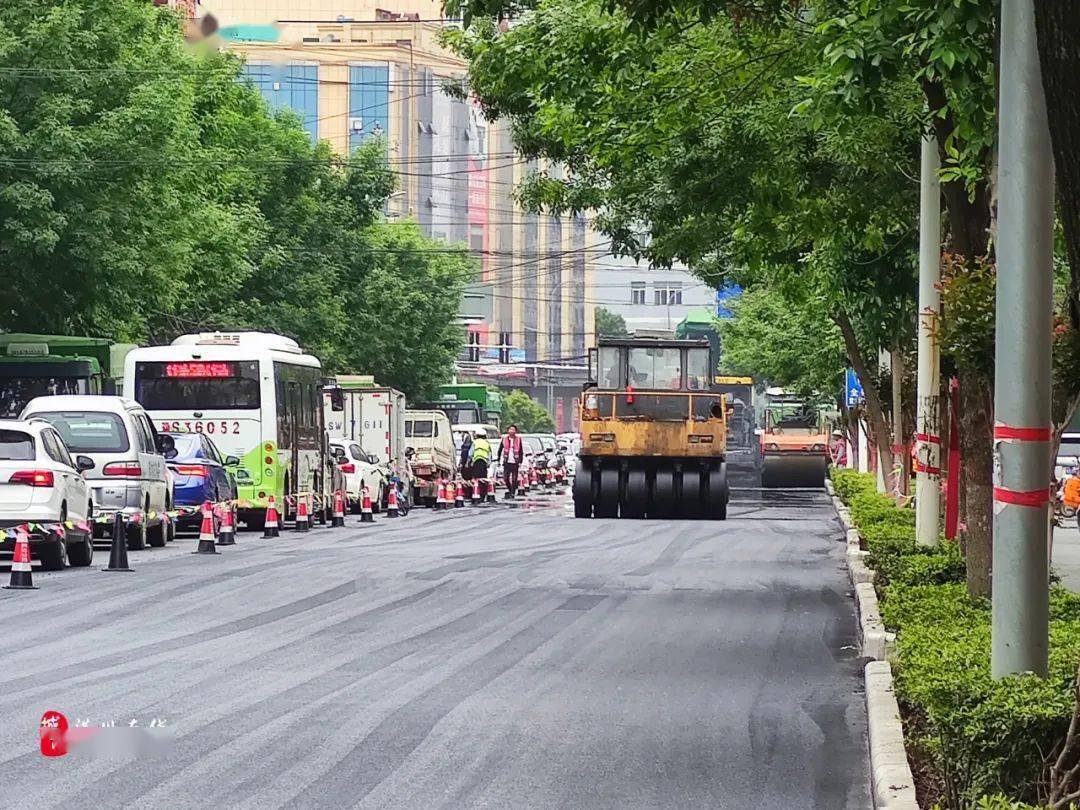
(503, 657)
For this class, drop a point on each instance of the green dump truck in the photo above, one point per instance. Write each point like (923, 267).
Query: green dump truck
(41, 365)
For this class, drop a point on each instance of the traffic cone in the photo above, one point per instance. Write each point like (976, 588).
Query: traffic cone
(270, 525)
(302, 522)
(489, 485)
(366, 513)
(118, 560)
(391, 501)
(227, 532)
(477, 487)
(206, 531)
(339, 509)
(21, 576)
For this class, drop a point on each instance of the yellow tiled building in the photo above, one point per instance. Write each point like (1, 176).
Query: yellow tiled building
(353, 70)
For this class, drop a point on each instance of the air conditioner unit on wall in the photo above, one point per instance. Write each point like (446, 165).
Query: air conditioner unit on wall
(356, 126)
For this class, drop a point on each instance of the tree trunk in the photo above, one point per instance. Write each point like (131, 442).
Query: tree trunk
(1058, 24)
(896, 367)
(874, 410)
(977, 452)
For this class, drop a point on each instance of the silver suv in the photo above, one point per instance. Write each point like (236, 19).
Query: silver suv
(129, 471)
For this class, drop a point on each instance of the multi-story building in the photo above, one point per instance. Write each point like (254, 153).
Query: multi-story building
(649, 300)
(353, 70)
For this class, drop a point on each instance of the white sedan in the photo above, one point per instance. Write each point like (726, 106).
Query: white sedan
(359, 468)
(41, 484)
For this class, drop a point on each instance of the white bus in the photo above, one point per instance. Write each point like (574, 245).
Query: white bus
(257, 395)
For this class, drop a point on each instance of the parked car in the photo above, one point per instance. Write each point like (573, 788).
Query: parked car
(40, 482)
(570, 446)
(200, 473)
(129, 468)
(360, 468)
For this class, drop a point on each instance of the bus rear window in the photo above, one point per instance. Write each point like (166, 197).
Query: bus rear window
(225, 386)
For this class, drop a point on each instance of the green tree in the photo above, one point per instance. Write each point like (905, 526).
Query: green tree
(699, 131)
(401, 323)
(609, 324)
(795, 347)
(147, 191)
(529, 415)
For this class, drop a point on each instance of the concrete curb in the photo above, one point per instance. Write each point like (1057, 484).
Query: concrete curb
(877, 642)
(893, 784)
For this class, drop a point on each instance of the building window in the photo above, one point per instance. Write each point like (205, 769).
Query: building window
(637, 292)
(667, 294)
(369, 103)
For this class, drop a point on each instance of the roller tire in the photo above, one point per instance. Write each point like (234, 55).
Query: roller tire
(718, 494)
(664, 502)
(583, 493)
(636, 495)
(607, 505)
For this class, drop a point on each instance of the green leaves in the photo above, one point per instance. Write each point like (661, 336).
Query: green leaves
(145, 191)
(529, 415)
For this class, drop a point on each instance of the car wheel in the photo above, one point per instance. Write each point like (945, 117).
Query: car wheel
(136, 535)
(54, 556)
(81, 554)
(155, 536)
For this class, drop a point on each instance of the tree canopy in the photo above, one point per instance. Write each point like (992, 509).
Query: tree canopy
(609, 324)
(529, 415)
(147, 191)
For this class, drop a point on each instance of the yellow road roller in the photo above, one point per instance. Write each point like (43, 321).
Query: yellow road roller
(794, 443)
(653, 432)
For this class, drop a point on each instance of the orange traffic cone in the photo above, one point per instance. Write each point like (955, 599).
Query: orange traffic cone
(477, 493)
(338, 519)
(391, 501)
(302, 522)
(366, 513)
(206, 531)
(459, 495)
(21, 578)
(227, 532)
(271, 525)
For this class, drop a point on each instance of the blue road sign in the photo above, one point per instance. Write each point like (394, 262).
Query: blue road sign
(853, 392)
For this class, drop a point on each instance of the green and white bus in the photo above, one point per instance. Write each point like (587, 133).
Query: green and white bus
(257, 395)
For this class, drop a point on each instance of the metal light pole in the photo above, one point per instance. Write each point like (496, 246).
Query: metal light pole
(927, 434)
(1022, 377)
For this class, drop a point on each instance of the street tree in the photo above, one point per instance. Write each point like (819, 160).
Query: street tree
(529, 415)
(146, 190)
(609, 324)
(692, 142)
(795, 347)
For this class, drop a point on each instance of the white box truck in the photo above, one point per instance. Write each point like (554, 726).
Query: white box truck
(357, 409)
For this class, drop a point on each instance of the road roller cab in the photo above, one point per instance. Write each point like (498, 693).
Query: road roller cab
(653, 432)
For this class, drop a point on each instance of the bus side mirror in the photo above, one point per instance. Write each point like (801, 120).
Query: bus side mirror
(337, 399)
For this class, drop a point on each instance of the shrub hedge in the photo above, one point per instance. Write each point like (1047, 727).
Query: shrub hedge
(986, 739)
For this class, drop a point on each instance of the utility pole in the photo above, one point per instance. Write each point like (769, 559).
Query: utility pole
(927, 432)
(1022, 430)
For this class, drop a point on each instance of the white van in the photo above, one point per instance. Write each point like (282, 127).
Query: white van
(129, 470)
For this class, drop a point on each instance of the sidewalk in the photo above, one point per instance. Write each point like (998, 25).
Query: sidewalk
(1066, 554)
